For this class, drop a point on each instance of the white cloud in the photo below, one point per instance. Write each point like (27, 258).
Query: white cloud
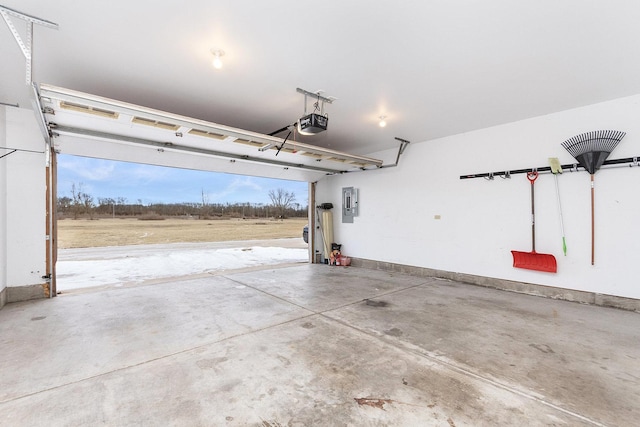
(87, 169)
(239, 185)
(145, 173)
(156, 184)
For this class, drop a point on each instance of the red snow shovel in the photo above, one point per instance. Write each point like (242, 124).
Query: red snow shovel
(533, 260)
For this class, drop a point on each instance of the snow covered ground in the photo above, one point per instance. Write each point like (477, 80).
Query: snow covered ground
(89, 267)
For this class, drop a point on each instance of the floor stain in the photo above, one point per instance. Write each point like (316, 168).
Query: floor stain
(374, 403)
(39, 318)
(376, 303)
(542, 347)
(210, 363)
(284, 360)
(394, 332)
(308, 325)
(451, 423)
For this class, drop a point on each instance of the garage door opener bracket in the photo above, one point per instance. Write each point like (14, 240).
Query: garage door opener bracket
(26, 47)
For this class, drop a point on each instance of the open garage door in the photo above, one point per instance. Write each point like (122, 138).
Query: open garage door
(86, 125)
(93, 126)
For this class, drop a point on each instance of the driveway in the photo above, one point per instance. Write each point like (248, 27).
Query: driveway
(117, 266)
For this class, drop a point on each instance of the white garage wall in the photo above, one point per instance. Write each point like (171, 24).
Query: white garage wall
(22, 210)
(482, 221)
(3, 209)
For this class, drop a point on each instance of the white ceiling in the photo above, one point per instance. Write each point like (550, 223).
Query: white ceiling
(434, 68)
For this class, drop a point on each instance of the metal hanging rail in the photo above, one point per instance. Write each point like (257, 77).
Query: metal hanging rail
(25, 46)
(571, 167)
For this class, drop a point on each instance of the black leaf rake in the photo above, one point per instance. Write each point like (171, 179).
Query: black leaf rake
(591, 149)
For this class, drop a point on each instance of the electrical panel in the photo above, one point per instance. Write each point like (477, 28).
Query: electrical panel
(349, 204)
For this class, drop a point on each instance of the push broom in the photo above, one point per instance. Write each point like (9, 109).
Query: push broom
(591, 149)
(556, 168)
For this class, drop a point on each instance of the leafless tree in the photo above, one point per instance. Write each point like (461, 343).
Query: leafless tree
(65, 204)
(281, 200)
(87, 203)
(205, 198)
(205, 205)
(82, 202)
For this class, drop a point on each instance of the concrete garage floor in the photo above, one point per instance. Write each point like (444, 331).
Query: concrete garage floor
(316, 345)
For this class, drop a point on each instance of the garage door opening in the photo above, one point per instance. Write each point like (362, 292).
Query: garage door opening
(86, 125)
(122, 223)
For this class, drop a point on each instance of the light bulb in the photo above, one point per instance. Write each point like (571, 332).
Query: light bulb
(217, 62)
(382, 123)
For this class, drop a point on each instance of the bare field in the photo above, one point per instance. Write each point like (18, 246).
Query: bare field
(83, 233)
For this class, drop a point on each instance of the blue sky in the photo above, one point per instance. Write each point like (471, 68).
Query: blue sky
(158, 184)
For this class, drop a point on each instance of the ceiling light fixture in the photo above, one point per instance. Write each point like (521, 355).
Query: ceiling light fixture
(382, 123)
(217, 54)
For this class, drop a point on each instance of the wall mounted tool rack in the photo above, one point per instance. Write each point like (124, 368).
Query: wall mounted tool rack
(571, 167)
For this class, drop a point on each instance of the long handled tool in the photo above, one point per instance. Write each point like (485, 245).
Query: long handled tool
(556, 168)
(591, 149)
(533, 260)
(326, 227)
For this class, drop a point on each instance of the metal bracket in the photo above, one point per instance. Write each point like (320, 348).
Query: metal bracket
(320, 100)
(266, 147)
(10, 152)
(403, 146)
(316, 95)
(42, 121)
(26, 48)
